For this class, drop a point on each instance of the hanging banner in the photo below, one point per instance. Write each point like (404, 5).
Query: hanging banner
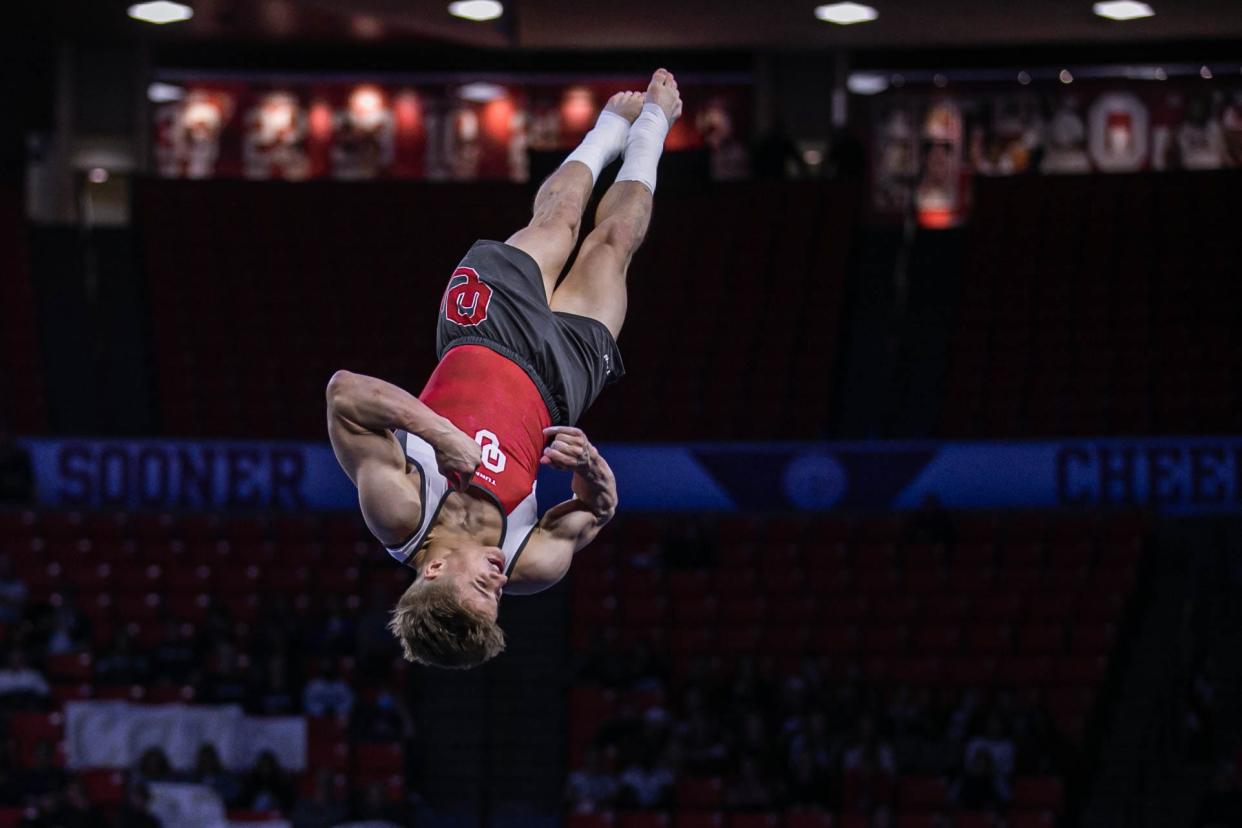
(1167, 474)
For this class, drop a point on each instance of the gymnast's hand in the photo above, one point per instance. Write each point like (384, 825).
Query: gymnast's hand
(457, 456)
(570, 450)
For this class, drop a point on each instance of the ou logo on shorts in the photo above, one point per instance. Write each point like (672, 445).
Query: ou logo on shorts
(493, 458)
(466, 298)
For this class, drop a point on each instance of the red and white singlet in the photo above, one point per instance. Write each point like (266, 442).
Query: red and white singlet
(491, 399)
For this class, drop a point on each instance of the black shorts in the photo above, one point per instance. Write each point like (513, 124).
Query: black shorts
(495, 298)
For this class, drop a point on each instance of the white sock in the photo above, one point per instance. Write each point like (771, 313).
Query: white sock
(644, 145)
(602, 144)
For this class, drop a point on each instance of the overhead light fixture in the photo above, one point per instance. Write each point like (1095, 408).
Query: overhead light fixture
(1024, 77)
(1123, 10)
(476, 10)
(1066, 76)
(97, 175)
(480, 92)
(866, 83)
(1205, 72)
(160, 12)
(164, 92)
(941, 81)
(846, 14)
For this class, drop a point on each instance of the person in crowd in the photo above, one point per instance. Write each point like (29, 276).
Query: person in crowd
(646, 784)
(153, 766)
(327, 694)
(384, 718)
(122, 663)
(747, 790)
(266, 787)
(591, 788)
(42, 778)
(375, 808)
(998, 745)
(136, 810)
(982, 786)
(12, 592)
(19, 682)
(324, 808)
(210, 771)
(173, 658)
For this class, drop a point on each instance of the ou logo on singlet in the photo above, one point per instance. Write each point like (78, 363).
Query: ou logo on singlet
(466, 298)
(493, 458)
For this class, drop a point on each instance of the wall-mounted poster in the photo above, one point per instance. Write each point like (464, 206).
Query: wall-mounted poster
(434, 129)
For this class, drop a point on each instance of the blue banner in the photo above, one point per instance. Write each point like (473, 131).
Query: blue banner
(1171, 475)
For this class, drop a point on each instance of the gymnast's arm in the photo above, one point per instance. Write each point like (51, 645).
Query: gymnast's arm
(569, 526)
(362, 412)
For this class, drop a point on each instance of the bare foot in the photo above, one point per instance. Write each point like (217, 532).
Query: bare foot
(629, 105)
(662, 91)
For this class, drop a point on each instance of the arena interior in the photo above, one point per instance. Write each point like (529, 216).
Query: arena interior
(928, 451)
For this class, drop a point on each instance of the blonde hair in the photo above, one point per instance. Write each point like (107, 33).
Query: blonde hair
(435, 628)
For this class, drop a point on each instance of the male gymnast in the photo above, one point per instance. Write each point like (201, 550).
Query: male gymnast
(446, 480)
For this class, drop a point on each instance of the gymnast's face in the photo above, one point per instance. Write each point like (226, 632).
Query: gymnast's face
(477, 571)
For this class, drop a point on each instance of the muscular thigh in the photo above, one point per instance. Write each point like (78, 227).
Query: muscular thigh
(595, 286)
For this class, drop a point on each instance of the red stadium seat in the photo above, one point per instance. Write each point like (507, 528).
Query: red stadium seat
(808, 819)
(590, 821)
(1038, 793)
(104, 788)
(699, 792)
(918, 793)
(642, 819)
(698, 819)
(754, 821)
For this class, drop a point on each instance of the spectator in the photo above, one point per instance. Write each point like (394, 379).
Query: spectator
(73, 809)
(209, 771)
(327, 694)
(385, 719)
(982, 787)
(136, 811)
(591, 788)
(153, 766)
(42, 777)
(374, 808)
(19, 681)
(174, 658)
(999, 746)
(122, 664)
(323, 808)
(646, 784)
(266, 788)
(747, 790)
(12, 592)
(226, 683)
(16, 471)
(273, 696)
(807, 783)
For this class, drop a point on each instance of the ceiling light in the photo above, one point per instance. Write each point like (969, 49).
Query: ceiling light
(480, 92)
(97, 175)
(940, 81)
(1065, 76)
(476, 10)
(1024, 77)
(1123, 10)
(845, 14)
(160, 12)
(1205, 73)
(1160, 74)
(866, 83)
(164, 92)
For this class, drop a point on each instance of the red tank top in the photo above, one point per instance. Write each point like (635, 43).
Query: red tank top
(494, 401)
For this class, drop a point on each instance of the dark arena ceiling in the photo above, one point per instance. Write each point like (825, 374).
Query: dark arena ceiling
(649, 25)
